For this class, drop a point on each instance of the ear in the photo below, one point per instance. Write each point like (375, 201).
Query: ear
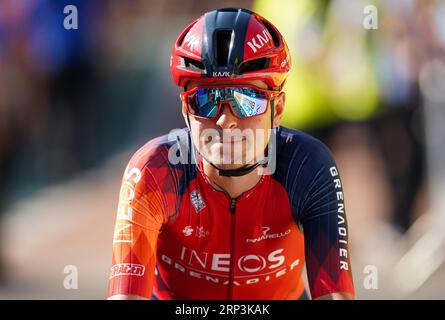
(279, 109)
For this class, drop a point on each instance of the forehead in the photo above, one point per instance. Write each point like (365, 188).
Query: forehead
(258, 83)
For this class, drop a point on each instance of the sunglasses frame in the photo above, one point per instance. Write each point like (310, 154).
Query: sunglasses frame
(186, 94)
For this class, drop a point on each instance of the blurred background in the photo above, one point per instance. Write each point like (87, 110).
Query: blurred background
(76, 104)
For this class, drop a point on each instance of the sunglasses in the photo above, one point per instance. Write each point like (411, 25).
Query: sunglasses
(244, 100)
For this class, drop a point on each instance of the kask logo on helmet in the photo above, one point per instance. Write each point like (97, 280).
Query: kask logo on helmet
(192, 41)
(261, 41)
(221, 74)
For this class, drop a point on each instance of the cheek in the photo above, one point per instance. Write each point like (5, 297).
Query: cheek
(258, 122)
(196, 130)
(260, 125)
(260, 128)
(202, 130)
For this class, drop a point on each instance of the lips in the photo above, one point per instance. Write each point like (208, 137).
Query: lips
(215, 140)
(231, 141)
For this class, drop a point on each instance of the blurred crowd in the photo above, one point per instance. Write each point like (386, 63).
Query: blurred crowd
(358, 89)
(47, 118)
(69, 99)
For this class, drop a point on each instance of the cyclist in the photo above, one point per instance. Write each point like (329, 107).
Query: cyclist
(198, 221)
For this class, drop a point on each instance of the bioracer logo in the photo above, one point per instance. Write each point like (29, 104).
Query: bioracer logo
(127, 269)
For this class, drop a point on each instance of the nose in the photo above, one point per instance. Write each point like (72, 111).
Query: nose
(226, 119)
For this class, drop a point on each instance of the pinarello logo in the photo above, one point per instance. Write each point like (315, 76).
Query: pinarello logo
(266, 235)
(130, 269)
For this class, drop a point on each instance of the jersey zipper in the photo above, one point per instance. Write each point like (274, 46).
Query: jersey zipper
(232, 247)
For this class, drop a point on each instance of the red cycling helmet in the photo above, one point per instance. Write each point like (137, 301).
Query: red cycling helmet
(231, 44)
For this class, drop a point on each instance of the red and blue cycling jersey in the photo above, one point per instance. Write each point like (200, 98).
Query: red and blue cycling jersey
(177, 237)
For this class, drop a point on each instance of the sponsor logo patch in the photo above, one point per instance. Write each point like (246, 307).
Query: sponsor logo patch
(130, 269)
(197, 201)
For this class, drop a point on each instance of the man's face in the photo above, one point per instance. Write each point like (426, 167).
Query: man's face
(228, 141)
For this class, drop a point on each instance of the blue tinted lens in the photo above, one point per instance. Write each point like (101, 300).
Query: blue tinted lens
(246, 102)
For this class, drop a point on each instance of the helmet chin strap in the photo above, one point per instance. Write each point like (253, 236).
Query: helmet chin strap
(241, 171)
(235, 172)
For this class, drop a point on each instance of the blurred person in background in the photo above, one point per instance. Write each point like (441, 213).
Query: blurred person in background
(45, 120)
(358, 90)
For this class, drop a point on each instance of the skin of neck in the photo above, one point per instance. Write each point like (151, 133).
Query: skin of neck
(234, 186)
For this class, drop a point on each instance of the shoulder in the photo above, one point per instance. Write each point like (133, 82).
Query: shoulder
(307, 169)
(296, 148)
(157, 152)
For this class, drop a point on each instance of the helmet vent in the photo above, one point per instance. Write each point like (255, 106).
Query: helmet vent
(254, 65)
(223, 44)
(275, 38)
(194, 65)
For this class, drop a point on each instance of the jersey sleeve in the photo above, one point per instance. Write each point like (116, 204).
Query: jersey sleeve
(147, 199)
(320, 209)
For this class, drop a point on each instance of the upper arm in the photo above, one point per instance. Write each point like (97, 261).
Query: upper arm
(144, 207)
(322, 214)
